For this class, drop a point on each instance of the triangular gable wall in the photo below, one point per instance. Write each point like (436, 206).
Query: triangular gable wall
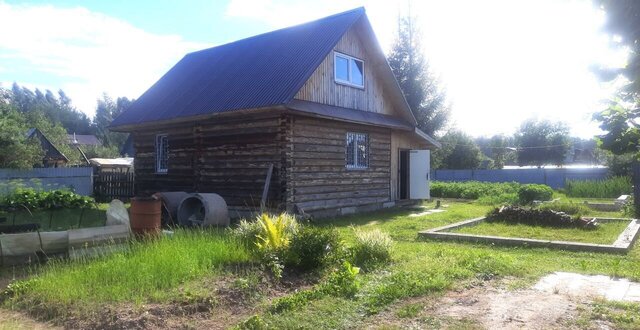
(376, 97)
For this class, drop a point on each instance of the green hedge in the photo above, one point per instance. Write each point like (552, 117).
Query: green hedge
(472, 189)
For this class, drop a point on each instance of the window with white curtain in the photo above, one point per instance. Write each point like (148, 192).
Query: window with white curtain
(357, 150)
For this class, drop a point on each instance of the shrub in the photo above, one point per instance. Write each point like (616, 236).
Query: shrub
(534, 192)
(247, 232)
(609, 188)
(312, 247)
(472, 189)
(371, 249)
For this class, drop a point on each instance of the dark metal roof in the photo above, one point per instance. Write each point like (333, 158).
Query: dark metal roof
(360, 117)
(260, 71)
(83, 139)
(350, 115)
(50, 150)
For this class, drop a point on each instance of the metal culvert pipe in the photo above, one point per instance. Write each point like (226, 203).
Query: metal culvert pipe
(170, 203)
(203, 210)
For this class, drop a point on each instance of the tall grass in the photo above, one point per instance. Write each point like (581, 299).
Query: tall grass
(608, 188)
(147, 271)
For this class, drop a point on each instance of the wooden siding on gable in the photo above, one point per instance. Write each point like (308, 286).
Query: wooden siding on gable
(322, 88)
(317, 178)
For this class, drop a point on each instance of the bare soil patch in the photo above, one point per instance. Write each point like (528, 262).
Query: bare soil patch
(488, 306)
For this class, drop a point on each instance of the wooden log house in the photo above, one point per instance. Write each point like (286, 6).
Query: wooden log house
(316, 101)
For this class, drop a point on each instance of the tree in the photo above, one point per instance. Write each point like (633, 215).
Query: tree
(542, 142)
(16, 151)
(107, 110)
(620, 120)
(458, 151)
(419, 85)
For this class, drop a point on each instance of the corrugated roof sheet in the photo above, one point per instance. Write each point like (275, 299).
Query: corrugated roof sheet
(260, 71)
(83, 139)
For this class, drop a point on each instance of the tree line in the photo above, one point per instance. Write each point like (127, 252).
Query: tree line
(55, 116)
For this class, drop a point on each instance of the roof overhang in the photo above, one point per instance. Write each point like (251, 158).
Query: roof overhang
(426, 137)
(346, 114)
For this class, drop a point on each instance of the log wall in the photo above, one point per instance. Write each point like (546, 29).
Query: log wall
(317, 180)
(227, 156)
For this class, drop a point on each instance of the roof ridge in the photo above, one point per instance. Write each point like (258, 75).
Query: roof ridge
(358, 9)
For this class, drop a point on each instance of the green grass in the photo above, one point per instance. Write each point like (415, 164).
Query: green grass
(148, 271)
(155, 271)
(608, 188)
(429, 267)
(606, 233)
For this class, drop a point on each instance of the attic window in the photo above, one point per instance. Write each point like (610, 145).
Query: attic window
(162, 153)
(349, 70)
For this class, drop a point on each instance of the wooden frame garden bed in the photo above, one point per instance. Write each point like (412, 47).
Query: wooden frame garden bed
(623, 243)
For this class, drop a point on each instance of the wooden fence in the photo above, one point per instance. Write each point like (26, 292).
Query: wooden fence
(112, 185)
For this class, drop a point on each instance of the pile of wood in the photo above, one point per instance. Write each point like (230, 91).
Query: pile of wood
(539, 217)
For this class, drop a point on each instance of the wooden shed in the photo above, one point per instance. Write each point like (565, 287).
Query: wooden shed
(316, 101)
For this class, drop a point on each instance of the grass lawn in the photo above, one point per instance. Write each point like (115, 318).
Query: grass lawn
(158, 271)
(606, 233)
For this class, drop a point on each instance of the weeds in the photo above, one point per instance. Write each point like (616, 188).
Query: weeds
(608, 188)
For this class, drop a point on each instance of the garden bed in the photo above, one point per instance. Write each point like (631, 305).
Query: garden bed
(576, 239)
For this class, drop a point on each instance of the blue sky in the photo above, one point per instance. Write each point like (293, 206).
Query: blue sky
(501, 61)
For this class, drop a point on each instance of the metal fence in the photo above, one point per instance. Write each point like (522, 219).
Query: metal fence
(553, 177)
(77, 179)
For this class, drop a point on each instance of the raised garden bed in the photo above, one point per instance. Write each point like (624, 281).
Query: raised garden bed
(463, 231)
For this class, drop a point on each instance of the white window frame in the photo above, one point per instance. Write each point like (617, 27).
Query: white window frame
(160, 154)
(356, 150)
(349, 63)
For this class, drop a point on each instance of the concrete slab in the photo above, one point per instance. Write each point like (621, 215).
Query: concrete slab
(602, 286)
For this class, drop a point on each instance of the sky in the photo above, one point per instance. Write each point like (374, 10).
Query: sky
(500, 61)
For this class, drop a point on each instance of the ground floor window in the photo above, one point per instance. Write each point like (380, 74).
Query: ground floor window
(357, 150)
(162, 153)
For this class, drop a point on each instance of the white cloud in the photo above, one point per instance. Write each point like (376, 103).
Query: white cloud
(91, 53)
(501, 61)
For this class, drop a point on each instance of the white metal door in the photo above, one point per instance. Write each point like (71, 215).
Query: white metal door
(419, 167)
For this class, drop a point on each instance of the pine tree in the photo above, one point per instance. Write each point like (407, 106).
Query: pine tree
(420, 86)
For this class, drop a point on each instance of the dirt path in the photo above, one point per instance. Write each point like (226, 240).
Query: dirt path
(14, 320)
(490, 306)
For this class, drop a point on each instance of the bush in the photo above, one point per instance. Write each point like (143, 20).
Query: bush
(534, 192)
(371, 249)
(247, 232)
(312, 247)
(609, 188)
(472, 189)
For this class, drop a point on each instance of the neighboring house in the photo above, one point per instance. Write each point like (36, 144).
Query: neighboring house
(318, 101)
(52, 157)
(83, 140)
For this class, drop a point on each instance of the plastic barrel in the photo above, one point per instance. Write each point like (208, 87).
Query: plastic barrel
(145, 216)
